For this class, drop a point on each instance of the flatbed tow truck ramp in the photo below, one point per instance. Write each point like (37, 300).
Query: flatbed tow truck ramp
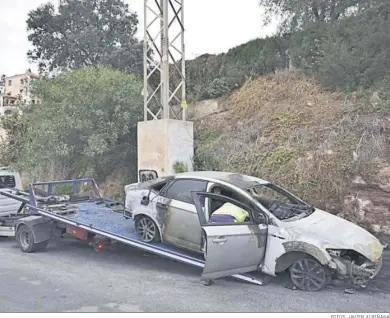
(86, 215)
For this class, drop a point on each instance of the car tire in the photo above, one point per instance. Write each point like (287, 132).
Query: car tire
(146, 224)
(25, 239)
(309, 275)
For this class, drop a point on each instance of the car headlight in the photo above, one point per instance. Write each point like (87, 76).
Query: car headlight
(334, 253)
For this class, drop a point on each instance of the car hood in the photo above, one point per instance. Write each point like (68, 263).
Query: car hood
(335, 232)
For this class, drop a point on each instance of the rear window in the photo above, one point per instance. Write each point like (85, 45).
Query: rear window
(7, 182)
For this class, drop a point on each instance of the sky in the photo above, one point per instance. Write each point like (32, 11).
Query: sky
(212, 26)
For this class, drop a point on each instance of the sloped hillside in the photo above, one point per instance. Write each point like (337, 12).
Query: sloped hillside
(328, 148)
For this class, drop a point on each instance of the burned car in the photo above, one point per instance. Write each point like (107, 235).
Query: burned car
(281, 232)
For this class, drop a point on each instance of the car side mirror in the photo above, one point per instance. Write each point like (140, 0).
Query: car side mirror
(259, 218)
(145, 200)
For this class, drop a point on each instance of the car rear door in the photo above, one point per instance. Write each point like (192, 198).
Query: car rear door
(232, 248)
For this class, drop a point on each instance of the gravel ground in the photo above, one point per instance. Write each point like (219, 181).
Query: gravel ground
(70, 276)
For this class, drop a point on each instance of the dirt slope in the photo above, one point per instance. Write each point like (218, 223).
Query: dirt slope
(327, 148)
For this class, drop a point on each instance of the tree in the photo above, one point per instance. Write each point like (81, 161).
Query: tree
(295, 13)
(83, 33)
(85, 126)
(349, 53)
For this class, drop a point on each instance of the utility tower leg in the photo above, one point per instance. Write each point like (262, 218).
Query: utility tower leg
(164, 137)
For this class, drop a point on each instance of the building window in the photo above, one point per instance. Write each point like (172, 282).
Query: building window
(9, 82)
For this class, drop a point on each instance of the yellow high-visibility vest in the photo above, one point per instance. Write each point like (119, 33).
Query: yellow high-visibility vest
(230, 209)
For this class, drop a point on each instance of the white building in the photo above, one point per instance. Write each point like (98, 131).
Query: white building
(15, 91)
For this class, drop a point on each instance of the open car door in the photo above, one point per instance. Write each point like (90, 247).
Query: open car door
(231, 248)
(147, 175)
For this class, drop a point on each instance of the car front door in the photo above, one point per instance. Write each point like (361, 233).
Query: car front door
(232, 248)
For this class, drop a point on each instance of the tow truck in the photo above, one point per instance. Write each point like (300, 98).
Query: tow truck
(85, 214)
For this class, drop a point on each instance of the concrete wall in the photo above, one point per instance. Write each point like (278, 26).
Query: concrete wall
(161, 143)
(152, 145)
(180, 143)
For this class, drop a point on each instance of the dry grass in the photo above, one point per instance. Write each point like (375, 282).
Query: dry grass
(287, 129)
(299, 100)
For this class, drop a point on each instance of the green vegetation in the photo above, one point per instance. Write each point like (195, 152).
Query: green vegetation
(180, 167)
(85, 126)
(322, 37)
(350, 53)
(63, 189)
(211, 76)
(83, 33)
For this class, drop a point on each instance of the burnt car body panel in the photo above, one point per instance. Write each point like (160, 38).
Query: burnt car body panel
(292, 227)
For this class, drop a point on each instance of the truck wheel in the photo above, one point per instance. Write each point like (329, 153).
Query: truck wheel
(25, 239)
(309, 275)
(147, 229)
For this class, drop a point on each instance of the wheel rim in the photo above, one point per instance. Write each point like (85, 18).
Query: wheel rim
(25, 239)
(147, 229)
(308, 275)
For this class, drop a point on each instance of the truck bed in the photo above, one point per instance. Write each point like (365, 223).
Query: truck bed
(103, 219)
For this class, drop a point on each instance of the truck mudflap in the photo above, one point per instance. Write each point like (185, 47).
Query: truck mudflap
(43, 228)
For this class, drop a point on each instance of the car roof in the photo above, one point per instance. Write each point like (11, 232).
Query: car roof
(240, 180)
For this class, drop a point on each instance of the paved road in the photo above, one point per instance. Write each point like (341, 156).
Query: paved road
(72, 277)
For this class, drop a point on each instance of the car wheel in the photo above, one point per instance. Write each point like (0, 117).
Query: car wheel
(147, 229)
(308, 274)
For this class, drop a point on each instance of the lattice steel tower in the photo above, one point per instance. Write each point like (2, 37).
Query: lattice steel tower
(164, 60)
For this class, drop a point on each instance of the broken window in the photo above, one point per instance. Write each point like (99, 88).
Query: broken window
(279, 202)
(159, 186)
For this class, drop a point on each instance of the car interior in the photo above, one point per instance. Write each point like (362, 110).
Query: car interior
(211, 205)
(159, 186)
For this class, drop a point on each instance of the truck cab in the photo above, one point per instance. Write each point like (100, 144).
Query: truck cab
(8, 180)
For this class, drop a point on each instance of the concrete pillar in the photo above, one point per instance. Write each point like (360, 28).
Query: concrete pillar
(162, 143)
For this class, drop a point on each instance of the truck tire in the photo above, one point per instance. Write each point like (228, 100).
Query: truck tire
(25, 239)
